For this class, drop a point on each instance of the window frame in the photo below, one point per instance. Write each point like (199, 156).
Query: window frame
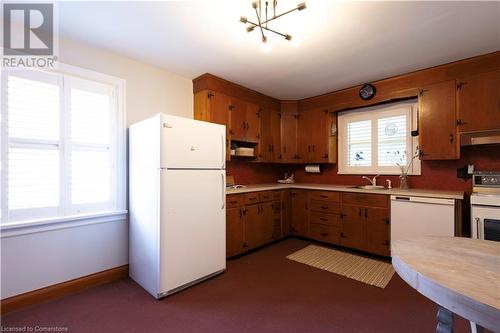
(65, 211)
(408, 108)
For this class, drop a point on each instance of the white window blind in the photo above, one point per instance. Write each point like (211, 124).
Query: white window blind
(59, 146)
(377, 139)
(359, 136)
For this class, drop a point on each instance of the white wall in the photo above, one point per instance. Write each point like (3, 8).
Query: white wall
(31, 261)
(150, 89)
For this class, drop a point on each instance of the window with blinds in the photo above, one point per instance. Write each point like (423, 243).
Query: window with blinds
(58, 146)
(377, 139)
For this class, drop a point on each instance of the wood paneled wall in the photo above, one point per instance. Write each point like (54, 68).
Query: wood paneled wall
(403, 86)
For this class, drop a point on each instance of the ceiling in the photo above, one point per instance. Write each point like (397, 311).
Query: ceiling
(341, 43)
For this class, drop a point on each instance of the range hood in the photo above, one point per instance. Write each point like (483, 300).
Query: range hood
(480, 138)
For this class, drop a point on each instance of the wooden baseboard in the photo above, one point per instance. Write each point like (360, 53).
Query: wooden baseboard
(62, 289)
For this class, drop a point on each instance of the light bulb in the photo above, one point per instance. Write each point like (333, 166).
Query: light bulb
(266, 47)
(296, 41)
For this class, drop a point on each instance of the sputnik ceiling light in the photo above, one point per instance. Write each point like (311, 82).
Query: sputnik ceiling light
(262, 21)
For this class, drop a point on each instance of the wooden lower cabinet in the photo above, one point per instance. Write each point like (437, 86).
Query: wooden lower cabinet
(286, 213)
(377, 231)
(366, 224)
(299, 214)
(251, 221)
(352, 226)
(234, 231)
(352, 220)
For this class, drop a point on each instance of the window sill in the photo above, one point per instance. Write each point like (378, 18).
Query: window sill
(34, 226)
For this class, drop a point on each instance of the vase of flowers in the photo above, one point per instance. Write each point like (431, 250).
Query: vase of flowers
(403, 176)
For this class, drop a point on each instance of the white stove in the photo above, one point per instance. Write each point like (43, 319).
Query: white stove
(485, 206)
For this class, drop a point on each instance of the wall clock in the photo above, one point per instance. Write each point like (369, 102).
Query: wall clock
(367, 91)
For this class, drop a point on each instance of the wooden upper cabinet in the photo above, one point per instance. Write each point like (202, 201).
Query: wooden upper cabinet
(264, 149)
(238, 109)
(269, 143)
(437, 122)
(244, 120)
(275, 116)
(213, 107)
(478, 102)
(314, 142)
(305, 125)
(289, 122)
(252, 122)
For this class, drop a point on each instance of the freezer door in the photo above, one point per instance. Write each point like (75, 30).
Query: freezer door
(192, 144)
(193, 226)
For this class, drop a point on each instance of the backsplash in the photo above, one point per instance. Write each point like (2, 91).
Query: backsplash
(438, 175)
(246, 172)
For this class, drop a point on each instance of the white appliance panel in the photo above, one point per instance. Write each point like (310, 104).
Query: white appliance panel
(192, 227)
(478, 215)
(413, 217)
(191, 144)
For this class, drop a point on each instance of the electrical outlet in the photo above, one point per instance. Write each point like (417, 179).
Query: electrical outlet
(470, 169)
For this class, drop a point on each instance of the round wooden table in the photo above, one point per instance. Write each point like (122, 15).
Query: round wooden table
(461, 275)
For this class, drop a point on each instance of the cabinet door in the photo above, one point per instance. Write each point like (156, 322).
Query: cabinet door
(218, 112)
(320, 135)
(252, 122)
(437, 122)
(277, 219)
(238, 119)
(299, 213)
(352, 226)
(267, 222)
(286, 214)
(289, 133)
(305, 129)
(234, 231)
(252, 226)
(275, 130)
(377, 231)
(478, 102)
(265, 142)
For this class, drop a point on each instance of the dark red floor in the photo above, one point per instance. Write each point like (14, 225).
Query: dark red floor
(261, 292)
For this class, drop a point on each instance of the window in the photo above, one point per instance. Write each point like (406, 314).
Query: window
(377, 140)
(62, 145)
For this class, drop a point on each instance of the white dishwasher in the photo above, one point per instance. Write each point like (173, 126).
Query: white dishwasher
(421, 216)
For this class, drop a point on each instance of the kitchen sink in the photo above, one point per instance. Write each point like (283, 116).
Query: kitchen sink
(368, 187)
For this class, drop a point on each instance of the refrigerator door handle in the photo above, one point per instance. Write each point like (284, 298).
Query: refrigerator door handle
(223, 148)
(223, 191)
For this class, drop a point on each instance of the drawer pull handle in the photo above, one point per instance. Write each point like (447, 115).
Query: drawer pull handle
(323, 219)
(324, 207)
(323, 196)
(233, 202)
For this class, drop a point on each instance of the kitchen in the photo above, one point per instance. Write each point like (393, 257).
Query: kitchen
(303, 192)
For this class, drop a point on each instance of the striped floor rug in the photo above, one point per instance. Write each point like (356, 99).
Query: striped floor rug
(369, 271)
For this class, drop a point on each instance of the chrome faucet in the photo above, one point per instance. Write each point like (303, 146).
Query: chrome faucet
(373, 181)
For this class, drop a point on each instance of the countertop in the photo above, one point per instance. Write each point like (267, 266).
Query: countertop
(345, 188)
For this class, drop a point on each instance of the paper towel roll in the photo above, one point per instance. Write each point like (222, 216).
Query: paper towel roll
(313, 168)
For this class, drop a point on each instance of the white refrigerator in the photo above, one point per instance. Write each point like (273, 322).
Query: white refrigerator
(177, 203)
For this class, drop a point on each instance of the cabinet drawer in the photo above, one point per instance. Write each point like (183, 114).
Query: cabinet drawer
(362, 199)
(325, 207)
(324, 233)
(235, 200)
(269, 196)
(325, 196)
(327, 219)
(251, 198)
